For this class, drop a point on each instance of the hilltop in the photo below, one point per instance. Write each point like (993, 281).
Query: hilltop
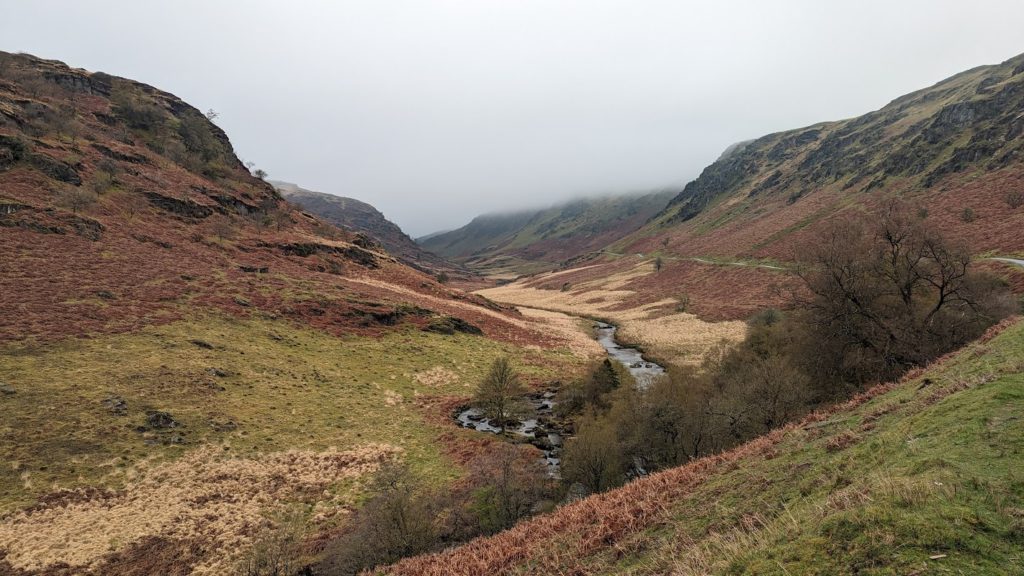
(956, 148)
(360, 217)
(530, 241)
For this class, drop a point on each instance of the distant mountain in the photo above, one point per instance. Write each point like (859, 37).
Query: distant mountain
(360, 217)
(535, 240)
(956, 148)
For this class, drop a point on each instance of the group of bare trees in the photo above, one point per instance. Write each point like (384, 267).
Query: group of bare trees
(407, 515)
(891, 294)
(881, 294)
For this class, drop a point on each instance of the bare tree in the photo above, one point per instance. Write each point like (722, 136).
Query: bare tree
(500, 393)
(223, 229)
(511, 485)
(75, 199)
(396, 522)
(593, 458)
(892, 294)
(278, 550)
(134, 202)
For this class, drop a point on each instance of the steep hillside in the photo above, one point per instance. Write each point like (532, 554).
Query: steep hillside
(536, 240)
(725, 245)
(918, 477)
(184, 356)
(957, 148)
(359, 217)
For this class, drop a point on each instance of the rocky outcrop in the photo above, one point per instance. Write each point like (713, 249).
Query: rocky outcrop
(973, 120)
(373, 231)
(186, 208)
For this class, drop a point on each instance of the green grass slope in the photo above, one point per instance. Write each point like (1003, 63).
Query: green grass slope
(921, 477)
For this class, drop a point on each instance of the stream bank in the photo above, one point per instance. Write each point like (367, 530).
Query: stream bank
(543, 429)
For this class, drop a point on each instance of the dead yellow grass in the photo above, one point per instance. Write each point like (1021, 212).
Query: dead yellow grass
(436, 377)
(679, 338)
(575, 331)
(564, 330)
(203, 495)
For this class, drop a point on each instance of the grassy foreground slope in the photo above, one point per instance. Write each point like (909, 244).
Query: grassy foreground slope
(268, 416)
(925, 476)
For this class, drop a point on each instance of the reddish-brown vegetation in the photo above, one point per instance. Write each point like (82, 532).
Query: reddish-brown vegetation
(163, 240)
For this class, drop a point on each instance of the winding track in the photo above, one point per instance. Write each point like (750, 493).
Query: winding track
(1014, 261)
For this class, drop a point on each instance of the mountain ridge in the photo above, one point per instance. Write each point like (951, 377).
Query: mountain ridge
(533, 240)
(920, 146)
(361, 217)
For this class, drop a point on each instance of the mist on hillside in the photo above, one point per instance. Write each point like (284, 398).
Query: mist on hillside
(435, 112)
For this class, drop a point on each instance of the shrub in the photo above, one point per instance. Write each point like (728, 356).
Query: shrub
(396, 522)
(1015, 199)
(500, 394)
(137, 112)
(593, 458)
(277, 551)
(101, 181)
(75, 199)
(968, 215)
(682, 303)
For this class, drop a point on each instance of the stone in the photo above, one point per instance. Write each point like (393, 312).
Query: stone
(159, 419)
(7, 390)
(116, 405)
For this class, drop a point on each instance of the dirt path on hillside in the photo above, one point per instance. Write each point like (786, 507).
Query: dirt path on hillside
(1014, 261)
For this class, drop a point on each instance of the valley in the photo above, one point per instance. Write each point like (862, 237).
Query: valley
(808, 360)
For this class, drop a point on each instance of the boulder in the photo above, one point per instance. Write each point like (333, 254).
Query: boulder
(161, 420)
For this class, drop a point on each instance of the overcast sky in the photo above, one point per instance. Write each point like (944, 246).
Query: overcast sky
(436, 111)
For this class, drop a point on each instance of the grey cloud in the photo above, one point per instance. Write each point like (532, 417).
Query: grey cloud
(435, 111)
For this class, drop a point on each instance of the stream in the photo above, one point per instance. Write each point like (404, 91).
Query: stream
(543, 429)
